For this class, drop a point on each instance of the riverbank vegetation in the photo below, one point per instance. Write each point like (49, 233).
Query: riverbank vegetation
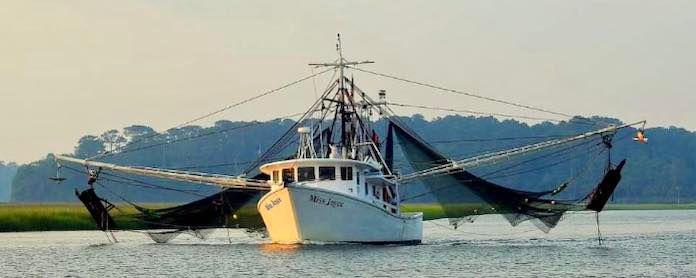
(73, 216)
(658, 172)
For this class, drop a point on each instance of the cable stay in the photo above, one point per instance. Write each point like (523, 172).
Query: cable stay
(490, 158)
(214, 132)
(223, 181)
(494, 139)
(505, 102)
(465, 111)
(115, 151)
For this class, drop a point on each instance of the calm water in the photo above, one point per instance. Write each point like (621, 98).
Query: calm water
(637, 244)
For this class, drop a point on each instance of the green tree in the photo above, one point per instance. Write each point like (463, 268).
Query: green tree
(112, 139)
(138, 132)
(89, 146)
(7, 173)
(653, 173)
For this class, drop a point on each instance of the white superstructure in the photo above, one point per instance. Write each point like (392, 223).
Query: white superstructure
(334, 200)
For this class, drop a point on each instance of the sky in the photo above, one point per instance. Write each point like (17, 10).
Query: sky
(72, 68)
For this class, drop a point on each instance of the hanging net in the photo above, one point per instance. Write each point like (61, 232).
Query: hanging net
(228, 208)
(463, 195)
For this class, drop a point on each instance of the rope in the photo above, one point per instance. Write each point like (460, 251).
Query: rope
(585, 169)
(119, 196)
(467, 93)
(450, 141)
(143, 184)
(139, 183)
(589, 163)
(198, 136)
(135, 218)
(218, 111)
(460, 155)
(272, 151)
(536, 158)
(494, 172)
(208, 166)
(478, 112)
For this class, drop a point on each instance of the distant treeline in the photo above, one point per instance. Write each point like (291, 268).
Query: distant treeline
(661, 171)
(7, 173)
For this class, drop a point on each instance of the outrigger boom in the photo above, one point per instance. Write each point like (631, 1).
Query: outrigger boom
(490, 158)
(240, 182)
(224, 181)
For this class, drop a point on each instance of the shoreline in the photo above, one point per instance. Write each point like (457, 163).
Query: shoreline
(36, 217)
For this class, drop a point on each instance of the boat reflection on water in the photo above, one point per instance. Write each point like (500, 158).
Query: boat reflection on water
(279, 248)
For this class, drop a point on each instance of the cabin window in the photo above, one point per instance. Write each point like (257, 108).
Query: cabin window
(288, 175)
(357, 178)
(327, 173)
(365, 189)
(276, 176)
(346, 173)
(305, 173)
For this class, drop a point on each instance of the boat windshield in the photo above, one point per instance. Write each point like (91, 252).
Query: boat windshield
(327, 173)
(288, 175)
(305, 174)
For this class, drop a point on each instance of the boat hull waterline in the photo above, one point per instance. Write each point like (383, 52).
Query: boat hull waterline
(298, 214)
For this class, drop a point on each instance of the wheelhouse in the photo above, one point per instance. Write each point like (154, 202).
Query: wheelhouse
(361, 180)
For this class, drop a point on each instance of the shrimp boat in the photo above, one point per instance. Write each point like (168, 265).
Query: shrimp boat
(335, 198)
(341, 185)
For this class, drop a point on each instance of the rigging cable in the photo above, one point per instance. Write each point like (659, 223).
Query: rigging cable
(470, 94)
(284, 138)
(452, 141)
(483, 113)
(218, 111)
(536, 158)
(483, 177)
(139, 183)
(467, 154)
(255, 123)
(143, 184)
(601, 147)
(550, 165)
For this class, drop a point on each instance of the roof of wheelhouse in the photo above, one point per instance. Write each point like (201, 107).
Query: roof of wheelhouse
(270, 167)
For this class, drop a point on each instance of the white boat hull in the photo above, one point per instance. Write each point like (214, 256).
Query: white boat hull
(299, 214)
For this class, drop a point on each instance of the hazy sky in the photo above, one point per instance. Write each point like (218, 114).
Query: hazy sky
(70, 68)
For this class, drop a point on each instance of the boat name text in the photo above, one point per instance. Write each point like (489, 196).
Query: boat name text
(326, 202)
(272, 204)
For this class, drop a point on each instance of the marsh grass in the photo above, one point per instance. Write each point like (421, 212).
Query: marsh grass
(35, 217)
(56, 217)
(73, 216)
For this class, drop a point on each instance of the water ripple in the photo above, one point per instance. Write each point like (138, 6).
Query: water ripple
(636, 244)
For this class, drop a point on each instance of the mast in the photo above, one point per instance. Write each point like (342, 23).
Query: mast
(346, 110)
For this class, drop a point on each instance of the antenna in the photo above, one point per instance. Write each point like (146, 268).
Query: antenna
(339, 47)
(345, 98)
(341, 63)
